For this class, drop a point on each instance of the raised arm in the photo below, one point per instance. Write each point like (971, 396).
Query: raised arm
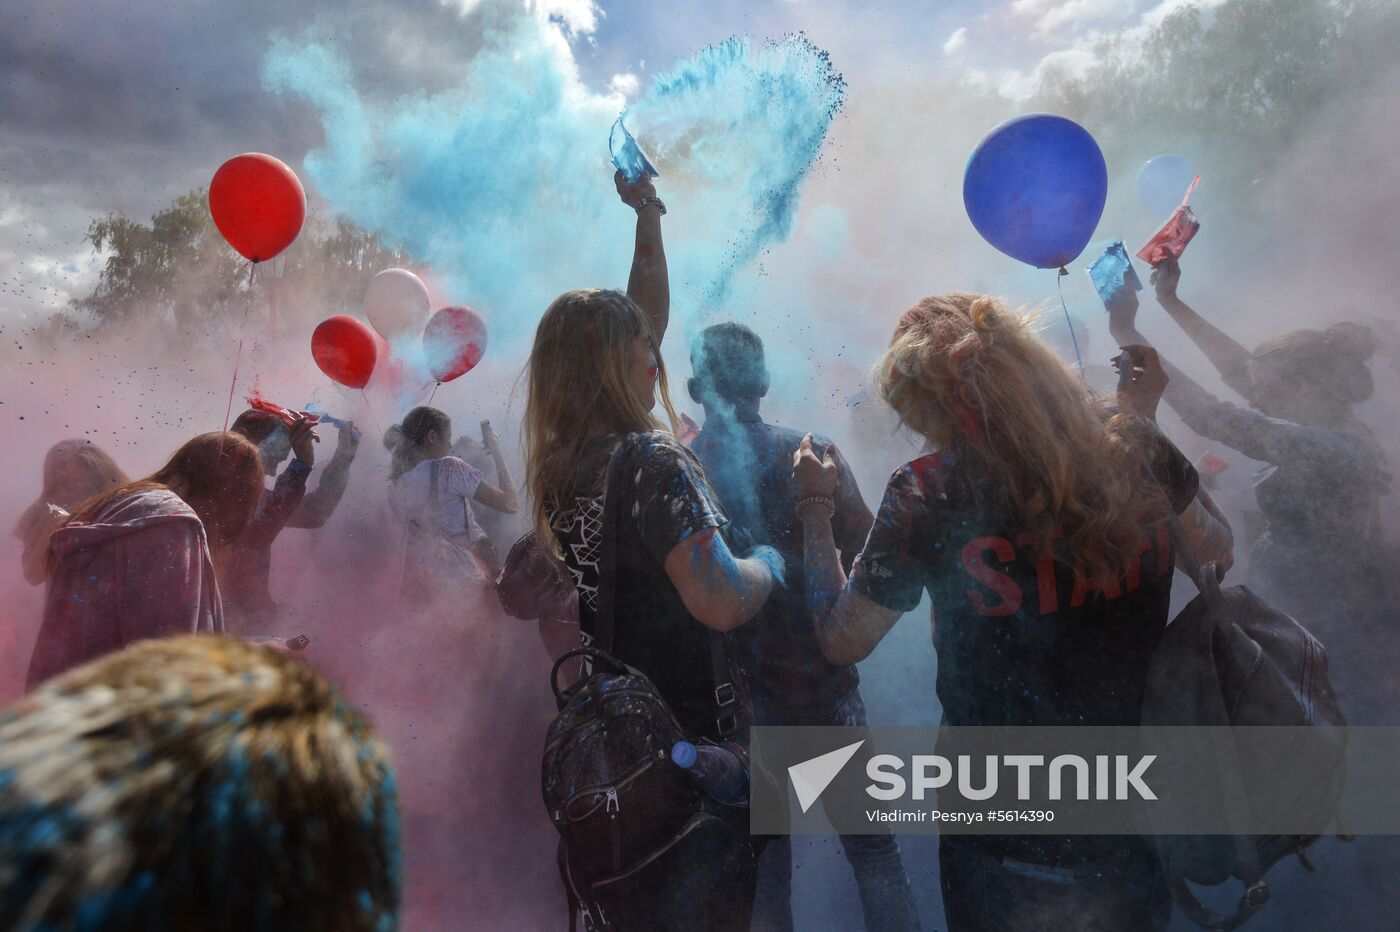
(502, 497)
(649, 283)
(1229, 358)
(1257, 436)
(317, 506)
(720, 590)
(848, 623)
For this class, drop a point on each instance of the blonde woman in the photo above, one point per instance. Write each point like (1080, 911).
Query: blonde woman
(593, 379)
(74, 471)
(1036, 527)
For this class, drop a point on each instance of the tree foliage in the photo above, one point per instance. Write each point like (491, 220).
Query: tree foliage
(1238, 83)
(178, 269)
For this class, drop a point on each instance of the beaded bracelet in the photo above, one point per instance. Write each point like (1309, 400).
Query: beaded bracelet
(825, 500)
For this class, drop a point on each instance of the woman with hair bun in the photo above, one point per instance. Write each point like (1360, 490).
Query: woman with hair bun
(1038, 526)
(1322, 555)
(433, 492)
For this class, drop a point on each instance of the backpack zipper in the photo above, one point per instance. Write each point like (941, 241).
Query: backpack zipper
(613, 807)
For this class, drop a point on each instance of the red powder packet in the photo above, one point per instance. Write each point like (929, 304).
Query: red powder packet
(286, 416)
(1170, 241)
(1211, 465)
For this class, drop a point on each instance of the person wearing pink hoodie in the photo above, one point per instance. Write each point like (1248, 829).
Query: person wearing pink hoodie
(135, 564)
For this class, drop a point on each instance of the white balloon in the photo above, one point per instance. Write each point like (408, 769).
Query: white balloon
(397, 302)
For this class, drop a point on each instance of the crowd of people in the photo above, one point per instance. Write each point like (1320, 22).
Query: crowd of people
(742, 573)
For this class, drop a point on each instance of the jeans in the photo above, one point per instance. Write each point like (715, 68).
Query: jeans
(886, 900)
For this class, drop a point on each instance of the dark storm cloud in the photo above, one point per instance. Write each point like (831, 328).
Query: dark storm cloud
(121, 107)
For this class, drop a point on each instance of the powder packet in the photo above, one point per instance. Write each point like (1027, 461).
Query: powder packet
(627, 156)
(1113, 271)
(1170, 241)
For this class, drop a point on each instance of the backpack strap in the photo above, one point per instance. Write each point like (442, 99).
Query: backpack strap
(1256, 889)
(1206, 578)
(1256, 894)
(726, 691)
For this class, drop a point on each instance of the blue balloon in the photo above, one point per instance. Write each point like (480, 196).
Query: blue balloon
(1035, 189)
(1162, 182)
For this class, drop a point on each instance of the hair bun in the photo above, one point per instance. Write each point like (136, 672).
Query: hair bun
(985, 314)
(393, 437)
(1350, 341)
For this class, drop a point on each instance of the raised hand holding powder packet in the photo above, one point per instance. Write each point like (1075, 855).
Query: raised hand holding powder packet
(627, 156)
(1113, 271)
(1170, 241)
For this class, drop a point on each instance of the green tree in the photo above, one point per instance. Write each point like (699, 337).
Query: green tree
(1239, 85)
(179, 269)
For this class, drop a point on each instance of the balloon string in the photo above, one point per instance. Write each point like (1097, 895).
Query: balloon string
(370, 408)
(238, 356)
(436, 386)
(1068, 320)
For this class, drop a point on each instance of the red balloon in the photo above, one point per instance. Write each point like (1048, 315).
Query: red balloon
(345, 350)
(258, 204)
(454, 342)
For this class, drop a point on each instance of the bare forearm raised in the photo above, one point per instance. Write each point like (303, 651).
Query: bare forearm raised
(1229, 358)
(649, 283)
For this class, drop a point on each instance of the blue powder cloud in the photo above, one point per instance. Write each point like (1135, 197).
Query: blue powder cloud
(502, 184)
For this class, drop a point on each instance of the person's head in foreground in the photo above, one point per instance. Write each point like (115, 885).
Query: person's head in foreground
(970, 376)
(594, 370)
(195, 783)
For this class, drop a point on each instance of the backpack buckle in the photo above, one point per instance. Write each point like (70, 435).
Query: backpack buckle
(726, 694)
(727, 724)
(1257, 894)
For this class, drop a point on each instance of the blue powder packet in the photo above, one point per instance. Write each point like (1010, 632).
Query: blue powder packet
(1113, 271)
(627, 156)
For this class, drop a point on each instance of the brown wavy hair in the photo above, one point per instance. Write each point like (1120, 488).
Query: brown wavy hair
(217, 474)
(970, 375)
(577, 377)
(222, 786)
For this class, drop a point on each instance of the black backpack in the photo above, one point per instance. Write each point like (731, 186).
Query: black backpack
(629, 820)
(1229, 658)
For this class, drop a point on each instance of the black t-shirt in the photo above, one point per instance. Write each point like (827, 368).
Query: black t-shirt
(750, 464)
(1022, 638)
(666, 500)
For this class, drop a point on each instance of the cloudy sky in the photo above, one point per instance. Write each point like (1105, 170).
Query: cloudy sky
(120, 107)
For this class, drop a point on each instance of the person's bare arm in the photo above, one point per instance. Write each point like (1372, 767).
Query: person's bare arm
(502, 497)
(848, 624)
(720, 590)
(1229, 358)
(649, 283)
(1208, 532)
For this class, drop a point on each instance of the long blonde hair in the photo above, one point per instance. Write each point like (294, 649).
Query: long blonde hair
(970, 375)
(577, 379)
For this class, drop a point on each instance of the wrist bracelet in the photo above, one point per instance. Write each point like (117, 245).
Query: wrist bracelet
(648, 201)
(825, 500)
